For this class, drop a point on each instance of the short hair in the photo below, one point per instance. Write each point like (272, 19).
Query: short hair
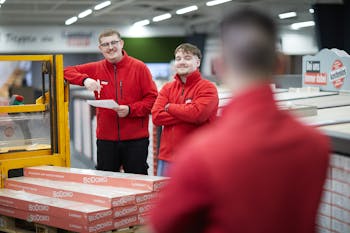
(108, 32)
(189, 48)
(257, 51)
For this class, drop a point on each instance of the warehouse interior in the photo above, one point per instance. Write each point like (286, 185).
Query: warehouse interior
(314, 83)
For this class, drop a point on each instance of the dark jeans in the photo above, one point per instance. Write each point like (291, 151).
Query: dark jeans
(131, 154)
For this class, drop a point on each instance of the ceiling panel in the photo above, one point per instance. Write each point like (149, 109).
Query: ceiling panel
(126, 12)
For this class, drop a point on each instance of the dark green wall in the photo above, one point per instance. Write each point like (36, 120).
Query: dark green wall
(156, 49)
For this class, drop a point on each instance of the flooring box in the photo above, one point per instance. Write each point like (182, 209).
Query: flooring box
(105, 178)
(126, 222)
(146, 198)
(97, 195)
(123, 211)
(73, 210)
(145, 208)
(142, 219)
(100, 226)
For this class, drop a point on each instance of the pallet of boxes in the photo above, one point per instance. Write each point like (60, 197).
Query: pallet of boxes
(78, 200)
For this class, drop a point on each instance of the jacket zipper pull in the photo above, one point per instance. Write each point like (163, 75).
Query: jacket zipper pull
(183, 90)
(121, 88)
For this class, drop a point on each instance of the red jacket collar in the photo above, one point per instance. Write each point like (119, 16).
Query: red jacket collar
(255, 99)
(121, 63)
(191, 78)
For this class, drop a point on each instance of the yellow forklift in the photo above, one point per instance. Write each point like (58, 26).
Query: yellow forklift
(38, 133)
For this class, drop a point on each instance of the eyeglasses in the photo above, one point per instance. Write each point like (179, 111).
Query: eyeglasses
(107, 44)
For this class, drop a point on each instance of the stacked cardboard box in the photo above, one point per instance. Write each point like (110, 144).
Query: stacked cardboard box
(80, 200)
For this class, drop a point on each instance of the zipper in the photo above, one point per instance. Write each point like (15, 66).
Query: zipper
(183, 89)
(116, 96)
(172, 140)
(121, 89)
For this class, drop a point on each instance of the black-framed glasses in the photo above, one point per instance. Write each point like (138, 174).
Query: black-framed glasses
(107, 44)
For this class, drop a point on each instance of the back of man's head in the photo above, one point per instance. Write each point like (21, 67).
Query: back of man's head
(249, 38)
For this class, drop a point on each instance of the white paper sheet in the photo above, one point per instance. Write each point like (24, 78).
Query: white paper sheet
(103, 103)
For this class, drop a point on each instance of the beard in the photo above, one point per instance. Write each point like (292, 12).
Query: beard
(183, 71)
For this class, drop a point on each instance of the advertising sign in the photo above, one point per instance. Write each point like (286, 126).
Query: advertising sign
(328, 69)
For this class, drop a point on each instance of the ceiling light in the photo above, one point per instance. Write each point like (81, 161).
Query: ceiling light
(287, 15)
(187, 9)
(217, 2)
(311, 10)
(142, 23)
(85, 13)
(2, 1)
(162, 17)
(102, 5)
(296, 26)
(71, 20)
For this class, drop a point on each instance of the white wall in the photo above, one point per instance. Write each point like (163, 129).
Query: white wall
(78, 39)
(301, 42)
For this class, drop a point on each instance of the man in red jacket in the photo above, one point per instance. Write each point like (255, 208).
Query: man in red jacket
(122, 133)
(256, 169)
(184, 104)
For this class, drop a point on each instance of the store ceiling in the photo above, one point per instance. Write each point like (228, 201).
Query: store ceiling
(126, 12)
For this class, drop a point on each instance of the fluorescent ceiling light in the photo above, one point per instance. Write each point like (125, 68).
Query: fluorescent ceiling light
(162, 17)
(85, 13)
(142, 23)
(2, 1)
(311, 10)
(217, 2)
(71, 20)
(296, 26)
(186, 10)
(287, 15)
(102, 5)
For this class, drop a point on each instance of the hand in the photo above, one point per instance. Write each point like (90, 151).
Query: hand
(91, 84)
(122, 110)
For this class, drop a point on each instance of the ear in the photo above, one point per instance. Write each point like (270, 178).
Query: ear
(217, 66)
(198, 62)
(122, 43)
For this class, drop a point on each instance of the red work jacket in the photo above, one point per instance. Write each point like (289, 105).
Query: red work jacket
(128, 82)
(192, 104)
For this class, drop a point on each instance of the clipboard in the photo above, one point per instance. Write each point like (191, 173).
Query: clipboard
(108, 103)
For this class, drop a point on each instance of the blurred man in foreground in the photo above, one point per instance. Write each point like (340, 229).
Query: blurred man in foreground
(257, 169)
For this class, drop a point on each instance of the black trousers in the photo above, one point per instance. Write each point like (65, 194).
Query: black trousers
(131, 154)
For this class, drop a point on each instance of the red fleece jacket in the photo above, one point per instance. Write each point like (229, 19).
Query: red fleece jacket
(129, 82)
(192, 105)
(255, 170)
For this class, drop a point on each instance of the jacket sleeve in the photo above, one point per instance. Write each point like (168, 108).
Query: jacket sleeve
(77, 74)
(201, 107)
(159, 115)
(184, 202)
(149, 94)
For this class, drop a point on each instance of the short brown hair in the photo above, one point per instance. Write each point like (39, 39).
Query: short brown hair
(258, 55)
(108, 32)
(189, 48)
